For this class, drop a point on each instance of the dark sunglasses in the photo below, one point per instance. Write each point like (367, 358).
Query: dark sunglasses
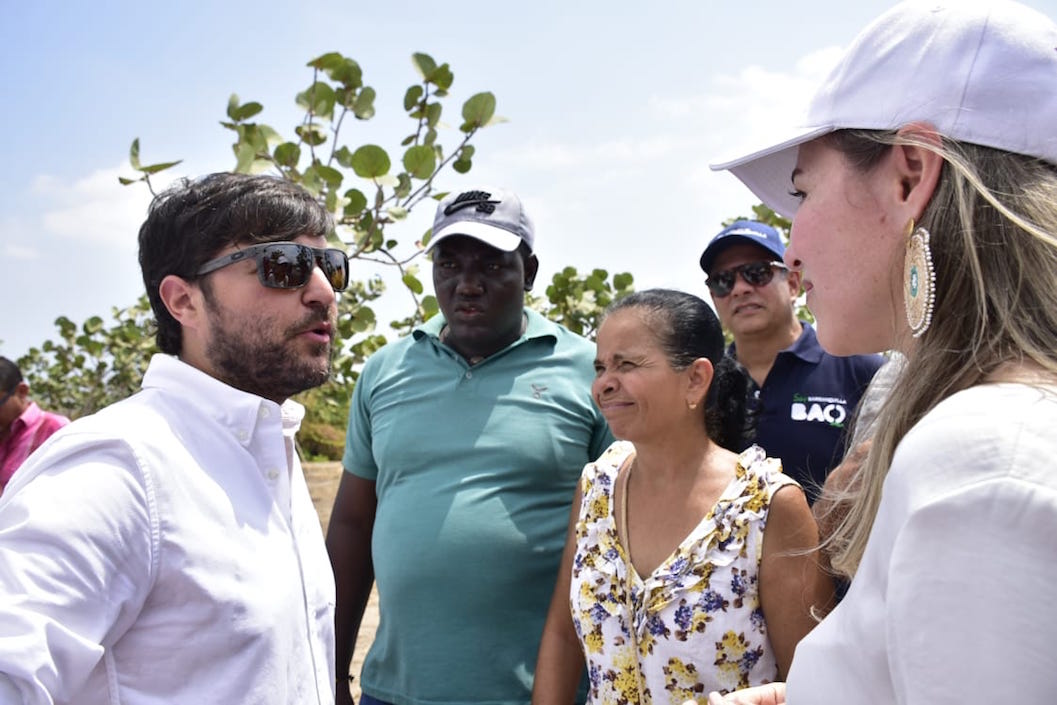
(754, 274)
(288, 265)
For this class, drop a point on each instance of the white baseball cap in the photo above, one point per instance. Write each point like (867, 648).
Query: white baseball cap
(980, 71)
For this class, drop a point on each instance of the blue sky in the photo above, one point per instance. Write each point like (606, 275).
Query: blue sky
(614, 108)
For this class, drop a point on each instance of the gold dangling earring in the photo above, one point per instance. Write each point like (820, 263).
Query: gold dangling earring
(919, 280)
(691, 405)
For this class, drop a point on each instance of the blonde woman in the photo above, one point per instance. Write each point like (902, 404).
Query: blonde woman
(923, 192)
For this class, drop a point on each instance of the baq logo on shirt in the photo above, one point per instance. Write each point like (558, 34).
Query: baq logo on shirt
(828, 410)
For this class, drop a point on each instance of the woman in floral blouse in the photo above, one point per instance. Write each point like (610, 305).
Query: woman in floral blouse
(688, 567)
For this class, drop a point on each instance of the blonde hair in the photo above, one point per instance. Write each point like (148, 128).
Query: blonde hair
(992, 222)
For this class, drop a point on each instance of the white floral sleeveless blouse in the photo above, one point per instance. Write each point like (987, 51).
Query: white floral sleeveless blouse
(697, 618)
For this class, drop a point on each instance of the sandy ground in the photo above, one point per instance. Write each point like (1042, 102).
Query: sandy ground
(323, 485)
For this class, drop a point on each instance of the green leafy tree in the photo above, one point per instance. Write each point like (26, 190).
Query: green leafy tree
(369, 190)
(91, 365)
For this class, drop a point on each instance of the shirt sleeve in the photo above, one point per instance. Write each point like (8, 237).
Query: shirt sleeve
(77, 545)
(359, 447)
(971, 580)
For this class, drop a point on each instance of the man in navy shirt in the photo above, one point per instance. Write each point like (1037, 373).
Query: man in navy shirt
(805, 397)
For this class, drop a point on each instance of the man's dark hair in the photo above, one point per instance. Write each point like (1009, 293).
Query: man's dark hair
(10, 375)
(193, 220)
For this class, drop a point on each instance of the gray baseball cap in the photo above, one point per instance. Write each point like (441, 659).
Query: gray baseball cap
(492, 215)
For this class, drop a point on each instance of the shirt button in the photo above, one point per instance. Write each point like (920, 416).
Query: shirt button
(243, 435)
(273, 474)
(469, 374)
(264, 412)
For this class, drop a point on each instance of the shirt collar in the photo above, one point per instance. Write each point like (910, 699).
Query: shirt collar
(805, 347)
(242, 413)
(538, 326)
(28, 416)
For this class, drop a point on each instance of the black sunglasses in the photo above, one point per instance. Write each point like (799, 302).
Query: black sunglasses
(754, 274)
(288, 265)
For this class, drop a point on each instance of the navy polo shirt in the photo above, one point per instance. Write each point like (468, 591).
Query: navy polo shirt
(805, 406)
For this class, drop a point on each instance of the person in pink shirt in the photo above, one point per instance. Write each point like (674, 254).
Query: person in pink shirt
(23, 424)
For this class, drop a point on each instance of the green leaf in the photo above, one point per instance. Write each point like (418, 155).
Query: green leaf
(433, 111)
(403, 187)
(357, 201)
(461, 166)
(323, 62)
(233, 105)
(478, 109)
(246, 111)
(424, 63)
(318, 99)
(244, 157)
(412, 283)
(287, 154)
(348, 73)
(370, 161)
(133, 154)
(420, 161)
(93, 325)
(155, 168)
(429, 306)
(344, 157)
(330, 175)
(311, 134)
(363, 108)
(443, 78)
(623, 281)
(397, 213)
(413, 95)
(125, 182)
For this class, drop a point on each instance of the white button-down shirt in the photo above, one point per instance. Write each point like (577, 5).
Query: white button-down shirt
(166, 550)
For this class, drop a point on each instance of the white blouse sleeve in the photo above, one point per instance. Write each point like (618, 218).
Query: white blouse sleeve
(971, 581)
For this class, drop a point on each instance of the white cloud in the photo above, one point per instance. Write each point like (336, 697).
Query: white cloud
(95, 208)
(19, 252)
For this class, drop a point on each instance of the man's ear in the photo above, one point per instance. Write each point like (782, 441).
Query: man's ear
(182, 299)
(532, 266)
(793, 279)
(917, 167)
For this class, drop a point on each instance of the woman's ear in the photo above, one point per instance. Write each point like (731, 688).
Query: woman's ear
(918, 166)
(699, 379)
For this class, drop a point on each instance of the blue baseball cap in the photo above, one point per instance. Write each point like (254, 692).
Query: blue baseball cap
(739, 232)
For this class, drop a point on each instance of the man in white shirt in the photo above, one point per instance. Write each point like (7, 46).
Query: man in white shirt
(165, 549)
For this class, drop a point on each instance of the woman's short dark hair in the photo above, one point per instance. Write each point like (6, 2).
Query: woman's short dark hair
(687, 329)
(189, 223)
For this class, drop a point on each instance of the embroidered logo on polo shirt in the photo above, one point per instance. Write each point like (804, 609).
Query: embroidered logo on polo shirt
(828, 410)
(538, 390)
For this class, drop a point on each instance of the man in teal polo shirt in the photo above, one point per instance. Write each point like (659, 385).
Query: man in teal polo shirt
(465, 443)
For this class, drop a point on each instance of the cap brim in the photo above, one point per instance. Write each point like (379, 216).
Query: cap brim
(490, 235)
(717, 247)
(767, 171)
